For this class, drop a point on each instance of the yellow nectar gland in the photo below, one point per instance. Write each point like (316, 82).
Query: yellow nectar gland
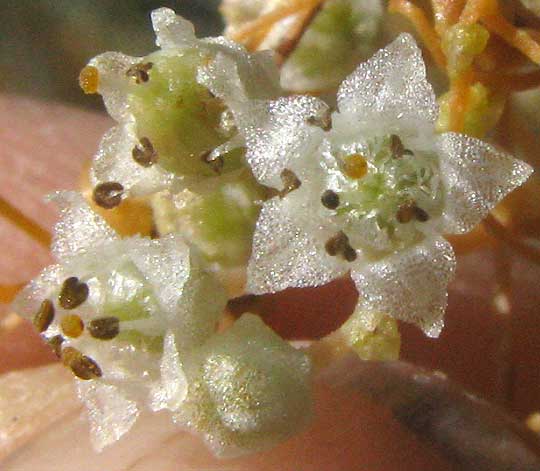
(355, 166)
(89, 80)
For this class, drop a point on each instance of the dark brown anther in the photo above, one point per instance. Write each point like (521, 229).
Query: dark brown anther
(405, 213)
(216, 163)
(82, 366)
(104, 328)
(409, 211)
(108, 195)
(323, 121)
(72, 325)
(144, 153)
(290, 182)
(339, 245)
(140, 72)
(44, 316)
(349, 254)
(73, 293)
(330, 199)
(396, 146)
(56, 344)
(420, 214)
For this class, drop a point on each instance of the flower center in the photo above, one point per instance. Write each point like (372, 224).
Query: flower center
(389, 192)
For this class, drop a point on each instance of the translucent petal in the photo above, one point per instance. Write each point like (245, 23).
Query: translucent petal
(240, 80)
(80, 228)
(172, 31)
(393, 82)
(286, 256)
(221, 77)
(114, 163)
(28, 300)
(112, 68)
(410, 285)
(281, 134)
(165, 265)
(110, 413)
(477, 176)
(172, 388)
(257, 71)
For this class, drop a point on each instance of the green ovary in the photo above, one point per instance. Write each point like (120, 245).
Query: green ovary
(135, 306)
(178, 115)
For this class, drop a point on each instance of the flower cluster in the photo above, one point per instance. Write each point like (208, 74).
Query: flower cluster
(282, 188)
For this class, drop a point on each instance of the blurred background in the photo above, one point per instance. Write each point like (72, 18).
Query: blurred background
(45, 43)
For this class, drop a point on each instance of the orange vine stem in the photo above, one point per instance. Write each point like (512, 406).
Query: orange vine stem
(15, 216)
(8, 293)
(418, 18)
(254, 32)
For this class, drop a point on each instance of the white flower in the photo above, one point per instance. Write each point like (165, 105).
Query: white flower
(370, 189)
(122, 314)
(168, 121)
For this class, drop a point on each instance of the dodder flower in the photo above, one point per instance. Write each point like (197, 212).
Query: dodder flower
(122, 314)
(171, 130)
(370, 189)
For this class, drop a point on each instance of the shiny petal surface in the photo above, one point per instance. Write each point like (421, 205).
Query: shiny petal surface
(393, 83)
(477, 176)
(286, 256)
(410, 285)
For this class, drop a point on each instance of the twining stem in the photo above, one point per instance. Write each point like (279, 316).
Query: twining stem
(27, 225)
(446, 13)
(488, 12)
(420, 21)
(8, 293)
(460, 91)
(255, 31)
(287, 46)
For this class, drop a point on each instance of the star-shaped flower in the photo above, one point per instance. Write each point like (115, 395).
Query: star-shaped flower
(171, 130)
(122, 314)
(370, 189)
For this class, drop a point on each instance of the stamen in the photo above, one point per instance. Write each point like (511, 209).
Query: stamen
(82, 366)
(290, 182)
(409, 211)
(397, 148)
(72, 325)
(108, 195)
(330, 199)
(140, 72)
(44, 317)
(339, 245)
(216, 163)
(322, 121)
(350, 254)
(73, 293)
(105, 328)
(405, 213)
(420, 214)
(56, 344)
(144, 153)
(355, 166)
(89, 80)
